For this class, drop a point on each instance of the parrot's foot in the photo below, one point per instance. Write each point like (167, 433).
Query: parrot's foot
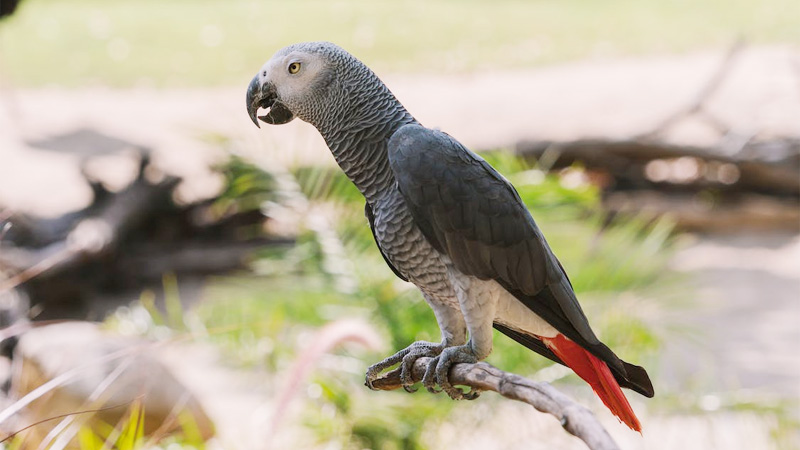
(439, 369)
(406, 358)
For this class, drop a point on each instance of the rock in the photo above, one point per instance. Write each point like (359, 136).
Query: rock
(92, 368)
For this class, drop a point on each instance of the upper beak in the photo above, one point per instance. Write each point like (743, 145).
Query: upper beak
(258, 98)
(264, 95)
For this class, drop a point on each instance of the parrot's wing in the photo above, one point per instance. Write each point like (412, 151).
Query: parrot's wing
(470, 213)
(473, 215)
(371, 218)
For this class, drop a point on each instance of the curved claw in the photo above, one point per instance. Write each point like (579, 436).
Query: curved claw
(429, 379)
(472, 394)
(409, 389)
(450, 356)
(375, 370)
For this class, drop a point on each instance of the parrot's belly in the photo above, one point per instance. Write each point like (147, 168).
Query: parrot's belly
(407, 249)
(409, 252)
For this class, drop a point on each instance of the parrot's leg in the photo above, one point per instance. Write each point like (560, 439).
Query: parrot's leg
(453, 327)
(438, 371)
(478, 302)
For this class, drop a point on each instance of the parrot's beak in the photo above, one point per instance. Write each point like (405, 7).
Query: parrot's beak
(263, 95)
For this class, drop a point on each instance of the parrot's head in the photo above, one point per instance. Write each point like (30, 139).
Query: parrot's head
(294, 82)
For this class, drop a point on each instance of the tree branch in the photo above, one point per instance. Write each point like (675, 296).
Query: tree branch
(576, 419)
(697, 105)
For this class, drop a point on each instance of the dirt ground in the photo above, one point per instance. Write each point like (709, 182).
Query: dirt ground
(747, 300)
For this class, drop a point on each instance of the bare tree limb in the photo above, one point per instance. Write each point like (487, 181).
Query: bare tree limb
(707, 90)
(769, 167)
(576, 419)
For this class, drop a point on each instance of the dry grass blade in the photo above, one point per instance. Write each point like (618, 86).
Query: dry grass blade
(63, 416)
(60, 436)
(60, 380)
(37, 269)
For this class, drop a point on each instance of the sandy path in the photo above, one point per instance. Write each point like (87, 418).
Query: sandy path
(485, 110)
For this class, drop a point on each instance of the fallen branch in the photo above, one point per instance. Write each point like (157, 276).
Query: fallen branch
(576, 419)
(768, 167)
(735, 213)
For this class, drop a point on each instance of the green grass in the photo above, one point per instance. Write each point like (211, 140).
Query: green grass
(215, 42)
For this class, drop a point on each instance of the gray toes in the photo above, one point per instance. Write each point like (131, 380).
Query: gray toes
(374, 371)
(429, 380)
(406, 369)
(406, 358)
(450, 356)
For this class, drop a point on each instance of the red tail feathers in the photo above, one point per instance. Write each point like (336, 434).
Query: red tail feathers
(597, 374)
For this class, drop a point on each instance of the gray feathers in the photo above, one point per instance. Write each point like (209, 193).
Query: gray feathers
(356, 114)
(436, 209)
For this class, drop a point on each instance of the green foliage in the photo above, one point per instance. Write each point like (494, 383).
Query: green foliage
(543, 192)
(304, 257)
(258, 320)
(132, 432)
(181, 43)
(357, 421)
(246, 187)
(320, 184)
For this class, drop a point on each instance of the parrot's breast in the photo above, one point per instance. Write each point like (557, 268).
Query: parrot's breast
(408, 251)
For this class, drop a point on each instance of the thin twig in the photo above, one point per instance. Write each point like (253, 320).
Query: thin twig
(708, 89)
(37, 269)
(576, 419)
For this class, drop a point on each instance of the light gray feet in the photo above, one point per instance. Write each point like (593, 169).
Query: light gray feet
(439, 369)
(406, 358)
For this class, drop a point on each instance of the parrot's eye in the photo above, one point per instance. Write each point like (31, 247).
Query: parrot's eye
(294, 68)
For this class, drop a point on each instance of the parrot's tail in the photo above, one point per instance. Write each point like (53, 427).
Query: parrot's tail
(597, 374)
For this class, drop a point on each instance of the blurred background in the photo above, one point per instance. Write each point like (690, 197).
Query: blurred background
(173, 277)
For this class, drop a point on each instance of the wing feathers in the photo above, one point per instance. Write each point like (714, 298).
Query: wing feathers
(468, 211)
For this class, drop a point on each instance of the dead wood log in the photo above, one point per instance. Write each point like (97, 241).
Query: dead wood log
(693, 212)
(576, 419)
(126, 241)
(90, 237)
(766, 167)
(150, 262)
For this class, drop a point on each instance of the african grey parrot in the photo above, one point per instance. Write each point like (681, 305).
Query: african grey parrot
(445, 220)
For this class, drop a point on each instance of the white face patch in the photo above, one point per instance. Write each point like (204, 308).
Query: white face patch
(292, 87)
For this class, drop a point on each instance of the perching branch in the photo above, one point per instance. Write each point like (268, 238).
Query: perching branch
(576, 419)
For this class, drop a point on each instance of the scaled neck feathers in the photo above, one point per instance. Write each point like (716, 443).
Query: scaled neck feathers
(356, 115)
